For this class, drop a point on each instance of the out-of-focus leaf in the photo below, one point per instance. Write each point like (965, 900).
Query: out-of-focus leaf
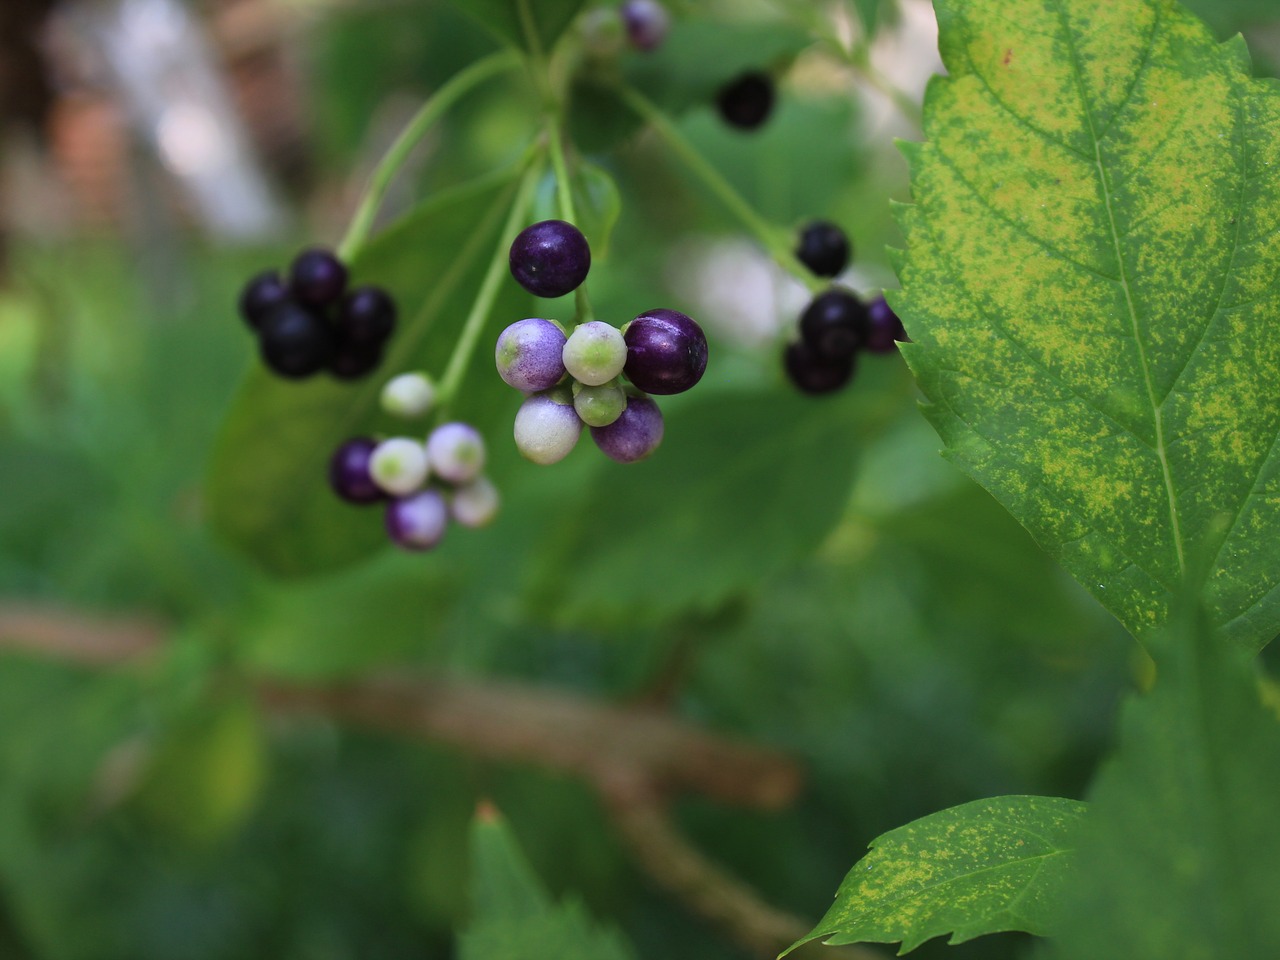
(514, 918)
(1228, 18)
(1089, 285)
(550, 18)
(983, 867)
(596, 201)
(1180, 852)
(268, 488)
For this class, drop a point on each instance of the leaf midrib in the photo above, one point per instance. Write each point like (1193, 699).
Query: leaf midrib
(1157, 410)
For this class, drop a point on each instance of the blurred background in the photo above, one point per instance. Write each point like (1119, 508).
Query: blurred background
(196, 760)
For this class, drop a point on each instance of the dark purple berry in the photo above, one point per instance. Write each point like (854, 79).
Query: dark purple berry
(418, 521)
(746, 101)
(368, 316)
(646, 22)
(834, 324)
(261, 295)
(666, 352)
(813, 373)
(550, 258)
(349, 472)
(884, 329)
(318, 278)
(351, 361)
(823, 248)
(634, 435)
(294, 341)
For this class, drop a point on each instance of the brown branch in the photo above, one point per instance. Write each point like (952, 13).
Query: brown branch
(62, 635)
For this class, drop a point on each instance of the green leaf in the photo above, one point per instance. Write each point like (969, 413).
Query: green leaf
(1228, 18)
(268, 489)
(1180, 853)
(596, 201)
(742, 487)
(1090, 284)
(503, 19)
(513, 916)
(982, 867)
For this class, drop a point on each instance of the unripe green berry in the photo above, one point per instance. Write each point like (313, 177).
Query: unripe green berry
(474, 504)
(399, 466)
(599, 406)
(595, 353)
(409, 395)
(547, 427)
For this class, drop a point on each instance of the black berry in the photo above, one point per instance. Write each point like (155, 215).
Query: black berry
(317, 278)
(351, 361)
(823, 248)
(294, 341)
(261, 295)
(666, 352)
(746, 101)
(349, 472)
(368, 316)
(834, 324)
(814, 373)
(884, 329)
(550, 258)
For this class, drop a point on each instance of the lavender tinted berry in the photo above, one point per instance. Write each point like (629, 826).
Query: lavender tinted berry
(594, 353)
(408, 395)
(811, 372)
(261, 295)
(349, 472)
(666, 352)
(294, 341)
(634, 435)
(399, 466)
(746, 101)
(823, 248)
(317, 278)
(475, 504)
(367, 316)
(550, 258)
(834, 324)
(418, 522)
(530, 355)
(547, 428)
(599, 406)
(884, 329)
(646, 22)
(455, 452)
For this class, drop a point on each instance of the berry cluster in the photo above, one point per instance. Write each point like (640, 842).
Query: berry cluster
(575, 379)
(836, 325)
(310, 321)
(424, 485)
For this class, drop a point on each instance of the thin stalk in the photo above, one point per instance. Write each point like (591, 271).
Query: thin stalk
(564, 200)
(431, 111)
(483, 303)
(769, 236)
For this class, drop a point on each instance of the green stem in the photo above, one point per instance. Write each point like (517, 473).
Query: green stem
(564, 199)
(431, 111)
(774, 241)
(475, 321)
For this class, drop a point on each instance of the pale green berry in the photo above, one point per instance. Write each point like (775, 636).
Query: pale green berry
(547, 427)
(475, 504)
(595, 353)
(599, 406)
(455, 452)
(399, 465)
(409, 395)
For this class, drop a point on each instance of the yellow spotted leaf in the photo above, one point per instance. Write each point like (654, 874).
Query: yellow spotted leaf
(982, 867)
(1090, 282)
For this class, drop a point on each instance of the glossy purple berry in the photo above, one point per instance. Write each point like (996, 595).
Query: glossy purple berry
(351, 361)
(261, 295)
(646, 23)
(418, 522)
(666, 352)
(746, 101)
(317, 278)
(884, 329)
(294, 341)
(834, 324)
(550, 258)
(823, 248)
(349, 472)
(530, 355)
(813, 373)
(634, 435)
(367, 316)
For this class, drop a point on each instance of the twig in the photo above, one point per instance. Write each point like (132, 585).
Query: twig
(90, 641)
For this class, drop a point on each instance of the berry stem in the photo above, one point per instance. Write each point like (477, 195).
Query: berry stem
(483, 303)
(771, 238)
(380, 181)
(564, 199)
